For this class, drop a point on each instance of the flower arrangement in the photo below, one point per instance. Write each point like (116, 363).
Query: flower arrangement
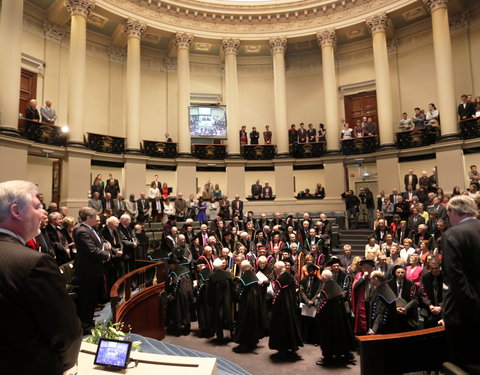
(111, 331)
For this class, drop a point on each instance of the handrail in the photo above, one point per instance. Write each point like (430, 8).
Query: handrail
(116, 295)
(401, 335)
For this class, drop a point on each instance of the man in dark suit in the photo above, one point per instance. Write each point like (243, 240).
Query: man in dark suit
(432, 294)
(31, 112)
(466, 109)
(129, 242)
(37, 316)
(56, 238)
(157, 183)
(407, 315)
(113, 269)
(267, 192)
(311, 134)
(92, 253)
(237, 207)
(461, 260)
(381, 231)
(143, 207)
(254, 135)
(256, 190)
(108, 202)
(381, 200)
(410, 179)
(243, 136)
(119, 205)
(277, 220)
(292, 135)
(157, 208)
(415, 220)
(394, 196)
(401, 208)
(438, 208)
(409, 194)
(167, 138)
(302, 133)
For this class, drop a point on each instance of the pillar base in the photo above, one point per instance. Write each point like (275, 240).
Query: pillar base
(76, 144)
(283, 155)
(133, 151)
(333, 152)
(184, 155)
(387, 146)
(449, 137)
(11, 132)
(234, 156)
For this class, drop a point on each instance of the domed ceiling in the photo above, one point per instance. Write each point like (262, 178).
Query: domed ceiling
(253, 22)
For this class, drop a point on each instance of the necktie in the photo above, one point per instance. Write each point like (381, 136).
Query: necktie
(400, 286)
(435, 291)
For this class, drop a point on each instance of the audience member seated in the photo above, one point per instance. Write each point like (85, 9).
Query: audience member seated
(406, 123)
(304, 194)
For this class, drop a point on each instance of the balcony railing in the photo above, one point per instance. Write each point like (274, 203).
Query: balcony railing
(105, 143)
(258, 152)
(213, 152)
(417, 137)
(160, 149)
(307, 150)
(355, 146)
(42, 132)
(469, 128)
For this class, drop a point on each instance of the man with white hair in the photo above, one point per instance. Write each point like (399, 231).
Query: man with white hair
(219, 297)
(114, 269)
(48, 113)
(57, 239)
(461, 261)
(31, 112)
(285, 333)
(129, 242)
(180, 207)
(334, 331)
(37, 315)
(250, 323)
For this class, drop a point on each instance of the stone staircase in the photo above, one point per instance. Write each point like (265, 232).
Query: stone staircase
(356, 238)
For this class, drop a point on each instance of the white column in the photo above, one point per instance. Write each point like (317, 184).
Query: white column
(279, 47)
(326, 40)
(11, 29)
(79, 11)
(378, 26)
(230, 48)
(442, 48)
(134, 31)
(183, 42)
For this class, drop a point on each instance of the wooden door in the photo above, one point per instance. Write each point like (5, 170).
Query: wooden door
(359, 105)
(28, 90)
(56, 180)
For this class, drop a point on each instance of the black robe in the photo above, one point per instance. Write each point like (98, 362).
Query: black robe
(201, 304)
(308, 293)
(180, 299)
(249, 327)
(334, 330)
(284, 328)
(383, 310)
(219, 297)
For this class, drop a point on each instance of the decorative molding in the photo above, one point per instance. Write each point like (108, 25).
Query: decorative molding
(230, 46)
(358, 86)
(80, 7)
(134, 28)
(53, 32)
(183, 40)
(278, 45)
(327, 38)
(117, 54)
(378, 23)
(433, 5)
(279, 19)
(460, 22)
(170, 64)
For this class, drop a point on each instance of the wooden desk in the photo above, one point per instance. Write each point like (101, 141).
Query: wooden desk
(422, 350)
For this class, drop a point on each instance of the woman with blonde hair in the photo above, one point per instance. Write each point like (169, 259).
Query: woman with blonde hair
(414, 270)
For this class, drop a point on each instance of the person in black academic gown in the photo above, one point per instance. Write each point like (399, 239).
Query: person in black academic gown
(249, 327)
(219, 297)
(284, 327)
(382, 317)
(308, 290)
(407, 311)
(179, 290)
(201, 303)
(334, 331)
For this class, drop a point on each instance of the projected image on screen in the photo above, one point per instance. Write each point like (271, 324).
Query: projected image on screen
(208, 122)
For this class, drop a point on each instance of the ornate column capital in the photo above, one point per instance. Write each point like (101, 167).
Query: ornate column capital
(278, 45)
(183, 40)
(116, 54)
(327, 38)
(80, 7)
(378, 23)
(170, 64)
(433, 5)
(53, 32)
(134, 28)
(230, 46)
